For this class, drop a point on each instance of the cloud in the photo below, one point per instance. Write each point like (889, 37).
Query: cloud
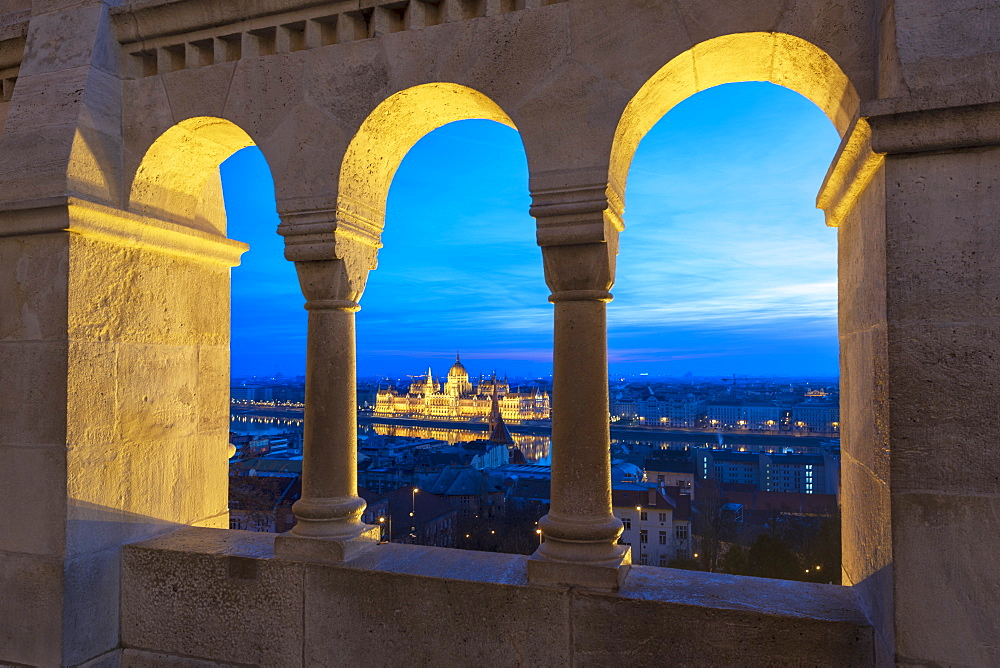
(725, 261)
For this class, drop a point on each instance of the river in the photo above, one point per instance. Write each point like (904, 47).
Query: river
(537, 446)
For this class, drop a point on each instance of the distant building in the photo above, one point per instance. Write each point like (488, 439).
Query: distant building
(816, 417)
(745, 415)
(251, 393)
(671, 471)
(771, 472)
(254, 502)
(529, 493)
(753, 507)
(657, 522)
(249, 445)
(657, 408)
(457, 398)
(469, 491)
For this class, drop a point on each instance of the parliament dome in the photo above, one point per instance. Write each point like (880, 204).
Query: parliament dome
(457, 369)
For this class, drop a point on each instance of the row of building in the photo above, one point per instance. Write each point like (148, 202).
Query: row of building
(689, 411)
(428, 491)
(458, 398)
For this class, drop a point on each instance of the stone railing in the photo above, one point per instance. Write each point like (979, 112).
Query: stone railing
(222, 597)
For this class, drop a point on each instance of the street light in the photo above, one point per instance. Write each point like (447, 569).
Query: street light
(413, 510)
(539, 532)
(638, 529)
(383, 523)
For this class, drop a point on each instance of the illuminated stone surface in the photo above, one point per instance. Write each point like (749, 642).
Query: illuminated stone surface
(114, 280)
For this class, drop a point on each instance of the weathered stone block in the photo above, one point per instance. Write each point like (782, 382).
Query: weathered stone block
(438, 620)
(90, 616)
(123, 293)
(867, 543)
(31, 609)
(34, 494)
(124, 492)
(951, 615)
(193, 595)
(709, 619)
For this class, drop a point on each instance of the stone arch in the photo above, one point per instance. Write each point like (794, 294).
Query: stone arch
(387, 135)
(178, 179)
(779, 58)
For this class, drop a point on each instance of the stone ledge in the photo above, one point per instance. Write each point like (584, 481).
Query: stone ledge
(191, 593)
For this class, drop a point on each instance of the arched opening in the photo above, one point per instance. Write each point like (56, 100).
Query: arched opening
(195, 178)
(389, 132)
(778, 58)
(267, 347)
(725, 276)
(444, 169)
(179, 180)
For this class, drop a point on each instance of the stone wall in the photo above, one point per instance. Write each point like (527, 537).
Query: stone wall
(203, 595)
(113, 282)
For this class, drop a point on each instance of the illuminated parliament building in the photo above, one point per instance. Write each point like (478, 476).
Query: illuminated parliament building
(458, 398)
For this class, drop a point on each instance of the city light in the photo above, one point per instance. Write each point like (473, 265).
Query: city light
(381, 442)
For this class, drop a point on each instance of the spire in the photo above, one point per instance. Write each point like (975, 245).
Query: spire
(498, 430)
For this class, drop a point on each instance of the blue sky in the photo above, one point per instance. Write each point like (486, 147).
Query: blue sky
(725, 265)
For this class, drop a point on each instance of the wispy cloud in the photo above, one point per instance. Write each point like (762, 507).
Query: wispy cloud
(725, 263)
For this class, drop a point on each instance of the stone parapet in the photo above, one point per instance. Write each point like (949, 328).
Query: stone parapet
(211, 596)
(225, 32)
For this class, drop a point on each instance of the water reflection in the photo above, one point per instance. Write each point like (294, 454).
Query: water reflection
(535, 448)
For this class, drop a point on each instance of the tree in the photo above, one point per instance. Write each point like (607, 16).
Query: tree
(736, 561)
(770, 557)
(824, 550)
(254, 498)
(511, 531)
(711, 525)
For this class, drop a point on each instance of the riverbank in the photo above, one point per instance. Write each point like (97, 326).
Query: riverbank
(629, 432)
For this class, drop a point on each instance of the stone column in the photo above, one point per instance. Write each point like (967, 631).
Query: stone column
(915, 195)
(578, 231)
(332, 267)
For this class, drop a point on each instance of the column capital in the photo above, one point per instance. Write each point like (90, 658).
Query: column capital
(580, 272)
(577, 227)
(333, 248)
(328, 233)
(577, 214)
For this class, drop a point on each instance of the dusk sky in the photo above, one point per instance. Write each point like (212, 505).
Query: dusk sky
(725, 266)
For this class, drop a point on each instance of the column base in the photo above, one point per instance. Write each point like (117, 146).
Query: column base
(606, 575)
(326, 550)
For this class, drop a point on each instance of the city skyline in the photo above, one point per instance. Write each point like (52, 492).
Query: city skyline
(725, 268)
